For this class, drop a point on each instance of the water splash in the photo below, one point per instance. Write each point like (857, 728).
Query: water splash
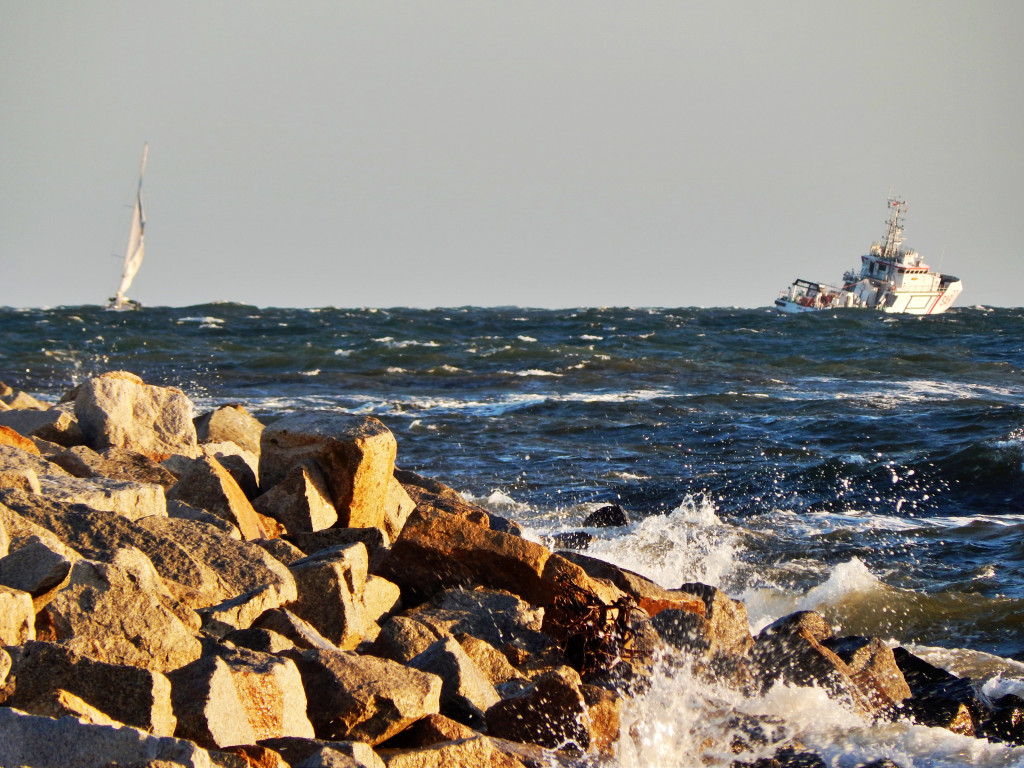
(690, 543)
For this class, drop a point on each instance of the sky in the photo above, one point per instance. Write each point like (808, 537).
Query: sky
(545, 153)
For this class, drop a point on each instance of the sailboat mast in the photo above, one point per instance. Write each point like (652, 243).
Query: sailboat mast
(135, 250)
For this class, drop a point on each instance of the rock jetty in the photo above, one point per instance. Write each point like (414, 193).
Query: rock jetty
(182, 590)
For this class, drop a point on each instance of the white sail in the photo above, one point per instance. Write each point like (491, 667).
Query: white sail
(136, 245)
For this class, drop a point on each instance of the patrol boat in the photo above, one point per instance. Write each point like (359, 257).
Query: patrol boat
(891, 279)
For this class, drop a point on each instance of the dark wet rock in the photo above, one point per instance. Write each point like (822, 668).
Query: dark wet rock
(727, 618)
(551, 711)
(789, 757)
(610, 516)
(938, 698)
(649, 596)
(791, 649)
(874, 669)
(439, 551)
(572, 540)
(1006, 721)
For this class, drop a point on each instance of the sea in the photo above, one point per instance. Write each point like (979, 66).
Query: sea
(866, 466)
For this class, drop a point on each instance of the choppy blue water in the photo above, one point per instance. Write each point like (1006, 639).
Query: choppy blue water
(868, 466)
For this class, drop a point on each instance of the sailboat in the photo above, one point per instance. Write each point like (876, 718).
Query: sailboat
(136, 248)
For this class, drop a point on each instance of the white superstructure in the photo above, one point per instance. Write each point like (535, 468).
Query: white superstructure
(891, 279)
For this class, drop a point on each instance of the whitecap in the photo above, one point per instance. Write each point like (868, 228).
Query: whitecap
(526, 338)
(534, 372)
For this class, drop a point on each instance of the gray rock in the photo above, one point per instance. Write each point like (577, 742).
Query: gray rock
(466, 693)
(239, 566)
(379, 599)
(300, 501)
(231, 422)
(128, 499)
(496, 616)
(17, 617)
(115, 463)
(35, 567)
(297, 751)
(258, 639)
(12, 459)
(364, 698)
(402, 638)
(99, 535)
(118, 409)
(106, 612)
(330, 757)
(239, 463)
(356, 456)
(239, 697)
(209, 486)
(42, 742)
(281, 550)
(240, 612)
(477, 751)
(56, 425)
(5, 539)
(130, 695)
(374, 539)
(297, 630)
(329, 584)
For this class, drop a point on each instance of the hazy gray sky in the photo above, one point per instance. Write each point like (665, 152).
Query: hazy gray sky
(533, 152)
